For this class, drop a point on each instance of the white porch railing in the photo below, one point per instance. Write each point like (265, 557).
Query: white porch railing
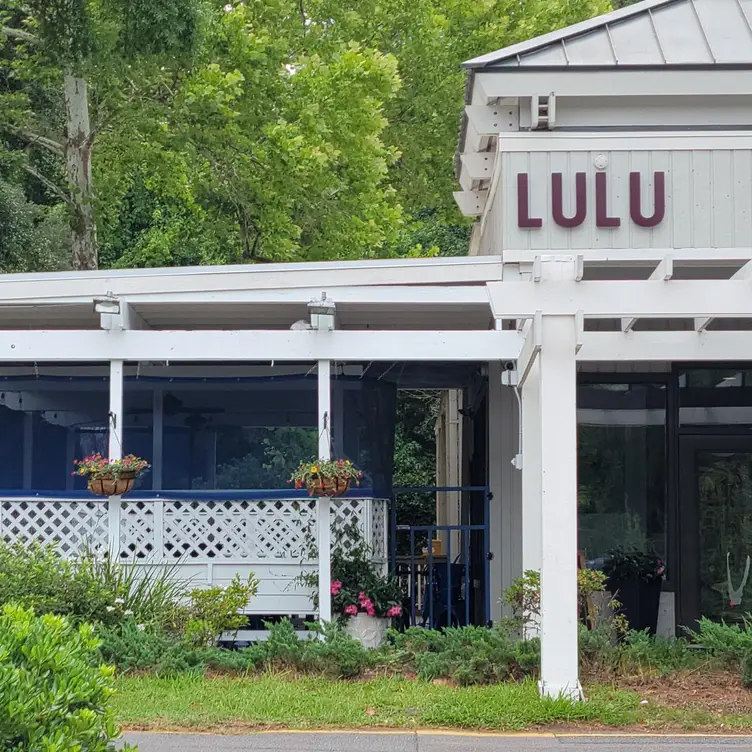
(208, 541)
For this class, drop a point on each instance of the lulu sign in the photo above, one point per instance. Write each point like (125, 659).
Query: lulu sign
(598, 202)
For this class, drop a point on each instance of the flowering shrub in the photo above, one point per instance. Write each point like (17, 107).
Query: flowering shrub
(95, 466)
(311, 472)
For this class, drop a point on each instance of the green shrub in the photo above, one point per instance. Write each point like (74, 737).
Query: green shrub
(129, 645)
(728, 642)
(335, 654)
(89, 587)
(216, 609)
(467, 655)
(747, 669)
(54, 697)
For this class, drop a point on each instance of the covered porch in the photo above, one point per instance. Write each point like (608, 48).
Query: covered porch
(248, 371)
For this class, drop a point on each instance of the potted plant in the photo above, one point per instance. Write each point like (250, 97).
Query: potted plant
(634, 579)
(364, 601)
(110, 477)
(326, 477)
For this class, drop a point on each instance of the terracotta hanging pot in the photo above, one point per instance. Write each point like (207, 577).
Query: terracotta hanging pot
(108, 485)
(328, 486)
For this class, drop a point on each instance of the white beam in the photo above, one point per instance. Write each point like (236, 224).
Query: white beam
(491, 119)
(745, 274)
(319, 276)
(479, 166)
(471, 203)
(724, 346)
(621, 299)
(530, 348)
(127, 318)
(527, 81)
(664, 272)
(251, 345)
(642, 256)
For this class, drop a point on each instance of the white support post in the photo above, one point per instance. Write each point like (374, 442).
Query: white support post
(558, 432)
(115, 450)
(324, 537)
(157, 437)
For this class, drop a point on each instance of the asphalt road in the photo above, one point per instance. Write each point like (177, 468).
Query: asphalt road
(423, 742)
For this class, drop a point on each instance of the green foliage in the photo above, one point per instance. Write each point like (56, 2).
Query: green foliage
(467, 655)
(132, 646)
(216, 610)
(605, 650)
(728, 642)
(32, 236)
(53, 696)
(632, 564)
(90, 587)
(747, 669)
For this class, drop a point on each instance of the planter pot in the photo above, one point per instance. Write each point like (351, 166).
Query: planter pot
(369, 631)
(640, 602)
(328, 487)
(108, 485)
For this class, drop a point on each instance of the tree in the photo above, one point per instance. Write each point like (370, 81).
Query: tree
(57, 45)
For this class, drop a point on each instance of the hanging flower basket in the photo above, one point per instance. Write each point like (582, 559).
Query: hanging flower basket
(323, 486)
(110, 477)
(326, 477)
(109, 485)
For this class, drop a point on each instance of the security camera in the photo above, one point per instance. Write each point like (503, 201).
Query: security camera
(510, 365)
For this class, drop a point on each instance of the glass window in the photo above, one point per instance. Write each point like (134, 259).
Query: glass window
(621, 467)
(48, 418)
(712, 397)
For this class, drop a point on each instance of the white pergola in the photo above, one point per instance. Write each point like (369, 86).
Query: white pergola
(556, 312)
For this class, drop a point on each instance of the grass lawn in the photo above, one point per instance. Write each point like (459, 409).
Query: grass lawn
(271, 701)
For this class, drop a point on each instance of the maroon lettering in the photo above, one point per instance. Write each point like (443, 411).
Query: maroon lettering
(523, 204)
(601, 203)
(635, 199)
(557, 199)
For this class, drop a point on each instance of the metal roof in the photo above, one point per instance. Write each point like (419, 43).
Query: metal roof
(652, 33)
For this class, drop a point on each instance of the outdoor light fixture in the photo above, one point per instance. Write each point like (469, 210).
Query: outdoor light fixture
(322, 307)
(110, 304)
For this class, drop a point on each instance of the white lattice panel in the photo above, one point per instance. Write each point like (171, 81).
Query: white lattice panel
(137, 530)
(68, 525)
(257, 530)
(379, 529)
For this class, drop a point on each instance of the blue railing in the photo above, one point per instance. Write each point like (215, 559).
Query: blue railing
(440, 591)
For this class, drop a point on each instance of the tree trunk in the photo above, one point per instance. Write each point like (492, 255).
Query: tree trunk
(78, 146)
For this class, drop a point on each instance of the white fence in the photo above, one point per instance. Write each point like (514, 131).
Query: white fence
(208, 541)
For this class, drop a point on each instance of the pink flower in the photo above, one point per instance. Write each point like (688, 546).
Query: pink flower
(371, 611)
(336, 587)
(394, 611)
(362, 596)
(351, 610)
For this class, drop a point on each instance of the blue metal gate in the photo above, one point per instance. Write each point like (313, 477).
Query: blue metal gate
(445, 588)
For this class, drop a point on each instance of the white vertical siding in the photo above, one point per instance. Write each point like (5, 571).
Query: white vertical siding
(708, 199)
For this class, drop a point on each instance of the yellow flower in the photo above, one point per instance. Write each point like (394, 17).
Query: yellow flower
(314, 469)
(347, 462)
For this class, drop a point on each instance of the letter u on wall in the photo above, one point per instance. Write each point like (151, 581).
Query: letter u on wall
(635, 199)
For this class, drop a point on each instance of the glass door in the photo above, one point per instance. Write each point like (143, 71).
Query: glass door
(715, 526)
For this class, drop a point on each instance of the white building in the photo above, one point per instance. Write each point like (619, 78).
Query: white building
(610, 167)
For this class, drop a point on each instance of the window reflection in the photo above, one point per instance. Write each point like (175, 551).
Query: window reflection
(622, 467)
